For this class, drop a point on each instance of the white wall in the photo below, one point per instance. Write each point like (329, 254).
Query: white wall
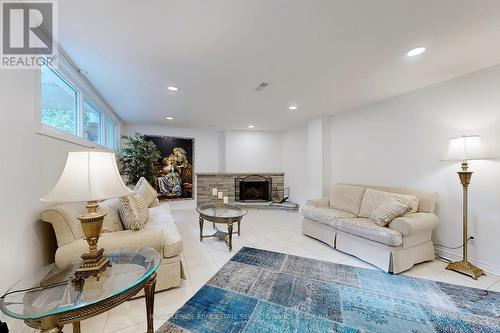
(253, 151)
(400, 141)
(30, 166)
(306, 160)
(295, 163)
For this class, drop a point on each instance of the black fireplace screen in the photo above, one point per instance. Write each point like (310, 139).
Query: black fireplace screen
(253, 188)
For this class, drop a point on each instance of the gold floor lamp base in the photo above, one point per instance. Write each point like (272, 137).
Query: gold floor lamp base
(466, 268)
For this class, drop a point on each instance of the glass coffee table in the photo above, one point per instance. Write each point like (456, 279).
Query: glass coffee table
(48, 300)
(221, 214)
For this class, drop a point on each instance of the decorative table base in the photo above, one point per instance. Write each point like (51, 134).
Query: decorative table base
(227, 237)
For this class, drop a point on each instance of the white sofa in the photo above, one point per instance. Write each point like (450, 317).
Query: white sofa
(159, 233)
(406, 241)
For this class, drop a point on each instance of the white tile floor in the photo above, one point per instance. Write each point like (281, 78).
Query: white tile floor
(266, 229)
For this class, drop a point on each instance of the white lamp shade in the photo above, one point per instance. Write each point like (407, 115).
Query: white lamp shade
(466, 148)
(88, 176)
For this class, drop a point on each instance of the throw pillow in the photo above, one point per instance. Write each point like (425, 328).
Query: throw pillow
(346, 198)
(388, 211)
(112, 221)
(374, 198)
(146, 191)
(133, 211)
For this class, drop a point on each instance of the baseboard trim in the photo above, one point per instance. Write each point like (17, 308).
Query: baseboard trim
(488, 268)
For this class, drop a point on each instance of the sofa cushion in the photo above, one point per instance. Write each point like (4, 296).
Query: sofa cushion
(162, 208)
(324, 215)
(347, 198)
(372, 199)
(112, 221)
(146, 191)
(363, 227)
(388, 211)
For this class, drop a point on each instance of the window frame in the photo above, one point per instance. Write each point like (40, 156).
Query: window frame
(116, 127)
(85, 92)
(102, 140)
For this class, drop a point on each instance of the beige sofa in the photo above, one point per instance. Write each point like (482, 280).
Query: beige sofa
(340, 222)
(159, 233)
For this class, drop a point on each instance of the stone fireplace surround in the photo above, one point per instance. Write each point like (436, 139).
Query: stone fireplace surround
(225, 182)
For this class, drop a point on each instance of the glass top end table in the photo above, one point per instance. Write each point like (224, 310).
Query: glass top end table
(48, 299)
(221, 214)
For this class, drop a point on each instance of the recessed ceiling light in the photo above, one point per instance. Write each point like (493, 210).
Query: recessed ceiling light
(416, 51)
(251, 126)
(292, 107)
(169, 118)
(172, 88)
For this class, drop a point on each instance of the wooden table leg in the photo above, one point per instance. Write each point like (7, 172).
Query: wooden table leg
(200, 220)
(149, 291)
(239, 227)
(230, 235)
(76, 327)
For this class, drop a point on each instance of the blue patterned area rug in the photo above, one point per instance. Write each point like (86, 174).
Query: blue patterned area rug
(262, 291)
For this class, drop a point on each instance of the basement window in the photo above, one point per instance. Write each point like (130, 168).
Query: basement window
(91, 123)
(58, 102)
(73, 112)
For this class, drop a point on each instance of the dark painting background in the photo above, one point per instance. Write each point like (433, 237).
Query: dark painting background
(166, 144)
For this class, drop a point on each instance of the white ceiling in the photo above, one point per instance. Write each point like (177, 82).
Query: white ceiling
(325, 56)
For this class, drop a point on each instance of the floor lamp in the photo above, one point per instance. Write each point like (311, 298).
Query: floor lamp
(464, 149)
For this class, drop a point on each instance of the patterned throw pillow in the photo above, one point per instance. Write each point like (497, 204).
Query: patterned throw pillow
(133, 211)
(146, 191)
(372, 199)
(389, 210)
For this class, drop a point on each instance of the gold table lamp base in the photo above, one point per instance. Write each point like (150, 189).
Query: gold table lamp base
(466, 268)
(94, 262)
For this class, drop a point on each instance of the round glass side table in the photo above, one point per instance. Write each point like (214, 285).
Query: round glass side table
(223, 214)
(48, 299)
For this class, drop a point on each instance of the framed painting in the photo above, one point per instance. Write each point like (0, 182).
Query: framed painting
(175, 169)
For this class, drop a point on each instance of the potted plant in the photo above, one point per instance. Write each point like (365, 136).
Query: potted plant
(138, 157)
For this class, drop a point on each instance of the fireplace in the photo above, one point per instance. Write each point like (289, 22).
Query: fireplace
(253, 188)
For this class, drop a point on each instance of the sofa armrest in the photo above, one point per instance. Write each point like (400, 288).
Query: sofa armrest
(322, 202)
(412, 224)
(63, 219)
